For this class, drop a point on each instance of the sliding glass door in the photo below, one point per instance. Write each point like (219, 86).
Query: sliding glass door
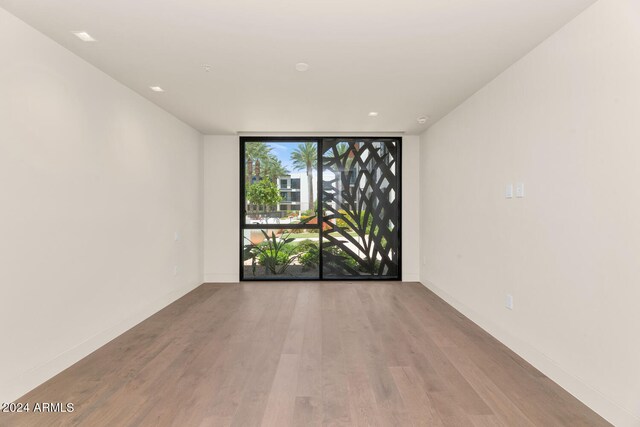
(279, 193)
(361, 208)
(320, 208)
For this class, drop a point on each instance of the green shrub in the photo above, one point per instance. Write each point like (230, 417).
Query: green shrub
(341, 223)
(368, 269)
(275, 253)
(353, 219)
(270, 257)
(343, 257)
(309, 254)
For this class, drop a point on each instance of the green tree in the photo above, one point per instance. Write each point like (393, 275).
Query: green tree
(305, 156)
(343, 148)
(273, 168)
(270, 166)
(264, 192)
(257, 151)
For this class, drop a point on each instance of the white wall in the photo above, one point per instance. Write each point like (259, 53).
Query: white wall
(221, 208)
(94, 182)
(563, 120)
(410, 208)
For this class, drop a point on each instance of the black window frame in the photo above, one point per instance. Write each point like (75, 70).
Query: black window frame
(319, 182)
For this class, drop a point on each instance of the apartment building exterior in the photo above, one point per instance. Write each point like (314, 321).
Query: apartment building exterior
(294, 191)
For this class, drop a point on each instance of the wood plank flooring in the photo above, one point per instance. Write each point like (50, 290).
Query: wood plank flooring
(306, 354)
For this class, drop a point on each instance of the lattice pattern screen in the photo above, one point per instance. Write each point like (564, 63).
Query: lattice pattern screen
(361, 208)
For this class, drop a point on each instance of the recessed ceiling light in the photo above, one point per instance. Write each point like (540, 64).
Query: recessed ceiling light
(373, 114)
(422, 120)
(156, 88)
(84, 36)
(302, 66)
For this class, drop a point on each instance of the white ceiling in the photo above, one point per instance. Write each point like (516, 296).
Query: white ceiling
(401, 58)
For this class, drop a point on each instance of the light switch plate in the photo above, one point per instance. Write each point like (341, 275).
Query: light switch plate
(520, 190)
(508, 191)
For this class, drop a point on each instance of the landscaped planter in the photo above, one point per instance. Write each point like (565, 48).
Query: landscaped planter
(293, 271)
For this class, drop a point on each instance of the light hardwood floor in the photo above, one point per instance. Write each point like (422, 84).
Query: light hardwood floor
(305, 354)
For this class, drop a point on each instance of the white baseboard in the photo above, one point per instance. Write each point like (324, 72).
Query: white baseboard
(597, 401)
(32, 378)
(221, 278)
(410, 278)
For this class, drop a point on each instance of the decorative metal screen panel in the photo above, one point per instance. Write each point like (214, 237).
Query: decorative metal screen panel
(361, 208)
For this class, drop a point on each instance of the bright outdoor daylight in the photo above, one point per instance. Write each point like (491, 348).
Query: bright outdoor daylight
(282, 237)
(279, 182)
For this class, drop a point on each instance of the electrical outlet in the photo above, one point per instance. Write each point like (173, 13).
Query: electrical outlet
(175, 270)
(520, 190)
(509, 302)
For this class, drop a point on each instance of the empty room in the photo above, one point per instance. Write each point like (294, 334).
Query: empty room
(320, 213)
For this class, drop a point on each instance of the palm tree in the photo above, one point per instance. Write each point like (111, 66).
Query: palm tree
(257, 151)
(306, 156)
(273, 168)
(343, 148)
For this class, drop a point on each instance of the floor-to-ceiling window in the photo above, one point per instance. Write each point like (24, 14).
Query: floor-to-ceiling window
(320, 208)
